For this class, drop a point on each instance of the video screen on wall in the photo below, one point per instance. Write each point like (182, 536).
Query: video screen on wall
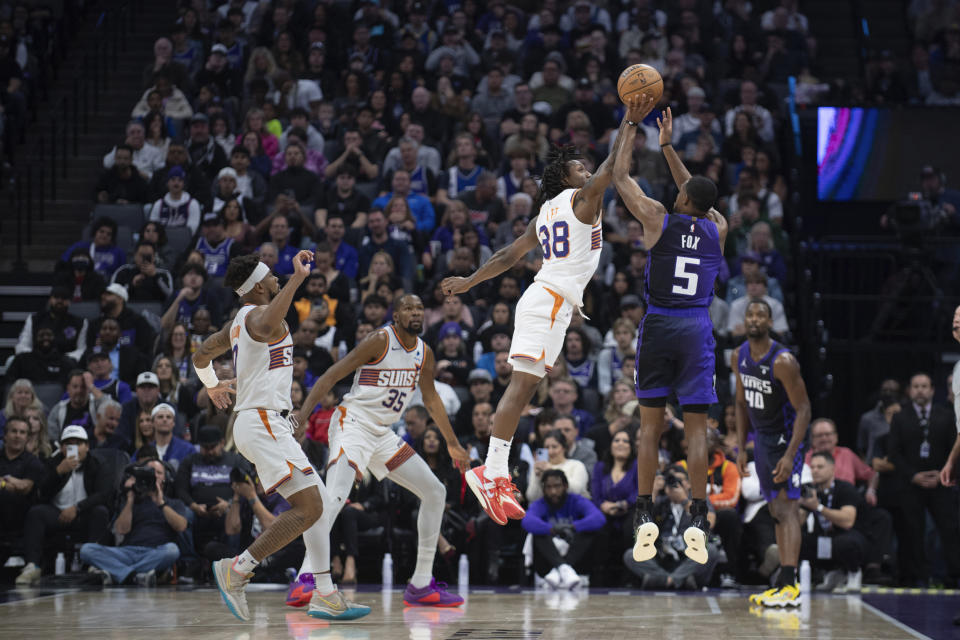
(876, 154)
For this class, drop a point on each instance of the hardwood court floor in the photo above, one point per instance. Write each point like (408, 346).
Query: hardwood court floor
(172, 614)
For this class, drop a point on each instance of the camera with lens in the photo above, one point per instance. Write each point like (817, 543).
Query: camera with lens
(671, 480)
(917, 216)
(144, 479)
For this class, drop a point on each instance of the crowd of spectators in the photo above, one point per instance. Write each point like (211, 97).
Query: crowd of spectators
(400, 142)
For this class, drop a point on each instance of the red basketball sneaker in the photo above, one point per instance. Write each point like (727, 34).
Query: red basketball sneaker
(487, 491)
(507, 492)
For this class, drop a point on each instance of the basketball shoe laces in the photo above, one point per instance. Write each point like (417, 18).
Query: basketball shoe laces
(505, 491)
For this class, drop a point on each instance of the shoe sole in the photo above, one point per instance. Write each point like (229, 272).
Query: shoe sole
(223, 593)
(438, 605)
(348, 614)
(696, 541)
(644, 548)
(783, 604)
(474, 484)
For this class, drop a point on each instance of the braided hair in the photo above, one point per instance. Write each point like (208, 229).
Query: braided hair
(554, 178)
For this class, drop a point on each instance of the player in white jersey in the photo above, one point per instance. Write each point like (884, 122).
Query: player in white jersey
(389, 364)
(568, 230)
(262, 349)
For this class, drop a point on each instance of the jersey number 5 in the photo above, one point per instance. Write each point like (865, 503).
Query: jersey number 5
(561, 240)
(690, 277)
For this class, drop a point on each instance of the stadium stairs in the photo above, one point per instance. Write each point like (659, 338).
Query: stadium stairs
(116, 39)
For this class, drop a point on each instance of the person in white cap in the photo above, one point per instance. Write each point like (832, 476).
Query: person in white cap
(169, 447)
(134, 329)
(72, 497)
(263, 432)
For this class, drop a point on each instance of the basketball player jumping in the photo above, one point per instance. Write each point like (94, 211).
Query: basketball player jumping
(389, 364)
(568, 229)
(772, 398)
(263, 359)
(675, 350)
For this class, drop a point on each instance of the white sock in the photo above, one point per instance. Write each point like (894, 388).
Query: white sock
(245, 563)
(497, 454)
(420, 580)
(324, 583)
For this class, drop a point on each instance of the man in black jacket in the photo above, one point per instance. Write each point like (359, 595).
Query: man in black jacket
(203, 484)
(134, 329)
(45, 363)
(121, 183)
(72, 497)
(144, 280)
(130, 361)
(69, 331)
(920, 439)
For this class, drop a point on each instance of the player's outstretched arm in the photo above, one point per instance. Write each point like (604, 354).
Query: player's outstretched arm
(369, 349)
(218, 390)
(786, 369)
(647, 210)
(588, 199)
(742, 419)
(434, 406)
(263, 323)
(677, 169)
(499, 262)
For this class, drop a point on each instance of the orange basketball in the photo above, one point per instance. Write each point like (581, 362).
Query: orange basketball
(640, 78)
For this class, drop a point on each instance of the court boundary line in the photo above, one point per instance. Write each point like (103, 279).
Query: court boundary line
(65, 592)
(897, 623)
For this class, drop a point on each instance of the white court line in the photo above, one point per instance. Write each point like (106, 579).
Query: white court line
(714, 605)
(65, 592)
(899, 625)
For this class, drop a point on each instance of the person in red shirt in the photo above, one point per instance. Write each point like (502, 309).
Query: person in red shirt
(847, 465)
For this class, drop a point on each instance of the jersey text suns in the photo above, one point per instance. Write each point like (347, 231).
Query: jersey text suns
(396, 378)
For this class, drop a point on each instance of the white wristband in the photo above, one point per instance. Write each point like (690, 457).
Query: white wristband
(207, 375)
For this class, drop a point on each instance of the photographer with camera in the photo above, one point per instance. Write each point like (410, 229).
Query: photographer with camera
(671, 568)
(834, 545)
(73, 497)
(149, 523)
(564, 526)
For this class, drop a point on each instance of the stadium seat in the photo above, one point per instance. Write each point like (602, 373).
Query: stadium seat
(89, 309)
(127, 215)
(178, 238)
(49, 393)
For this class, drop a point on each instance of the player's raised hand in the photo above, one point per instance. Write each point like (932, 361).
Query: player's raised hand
(461, 459)
(300, 262)
(454, 285)
(638, 106)
(781, 472)
(220, 394)
(665, 122)
(742, 464)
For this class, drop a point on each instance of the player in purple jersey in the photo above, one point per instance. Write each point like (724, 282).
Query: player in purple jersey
(675, 351)
(772, 398)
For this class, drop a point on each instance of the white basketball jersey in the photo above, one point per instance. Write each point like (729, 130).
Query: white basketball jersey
(571, 249)
(264, 371)
(382, 388)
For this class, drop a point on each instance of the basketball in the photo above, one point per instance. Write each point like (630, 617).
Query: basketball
(640, 78)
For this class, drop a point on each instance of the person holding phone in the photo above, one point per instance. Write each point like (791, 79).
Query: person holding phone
(73, 497)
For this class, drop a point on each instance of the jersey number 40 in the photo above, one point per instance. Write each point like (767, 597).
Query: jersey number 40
(558, 242)
(754, 399)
